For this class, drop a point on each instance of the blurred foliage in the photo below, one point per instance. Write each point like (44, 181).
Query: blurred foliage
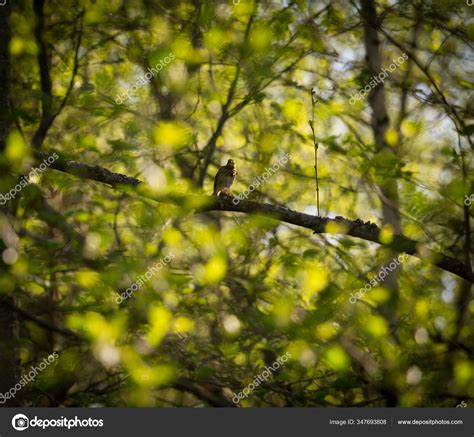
(240, 291)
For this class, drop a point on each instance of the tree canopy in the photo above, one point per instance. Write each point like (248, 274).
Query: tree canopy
(114, 118)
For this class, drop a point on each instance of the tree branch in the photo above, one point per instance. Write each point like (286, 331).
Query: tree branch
(213, 396)
(225, 115)
(354, 228)
(46, 84)
(48, 114)
(45, 325)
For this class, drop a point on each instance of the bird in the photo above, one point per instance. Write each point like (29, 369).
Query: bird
(224, 178)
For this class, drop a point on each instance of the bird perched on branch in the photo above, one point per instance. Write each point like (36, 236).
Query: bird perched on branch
(224, 178)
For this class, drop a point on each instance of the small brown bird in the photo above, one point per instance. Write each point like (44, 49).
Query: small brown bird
(224, 178)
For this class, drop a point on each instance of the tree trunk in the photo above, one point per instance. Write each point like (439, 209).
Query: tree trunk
(9, 343)
(388, 191)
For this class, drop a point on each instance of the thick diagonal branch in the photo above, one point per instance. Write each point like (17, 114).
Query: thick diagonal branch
(355, 228)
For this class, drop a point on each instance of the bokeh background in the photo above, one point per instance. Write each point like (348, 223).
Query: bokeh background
(241, 290)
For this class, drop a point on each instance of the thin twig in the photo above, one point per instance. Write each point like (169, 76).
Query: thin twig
(316, 145)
